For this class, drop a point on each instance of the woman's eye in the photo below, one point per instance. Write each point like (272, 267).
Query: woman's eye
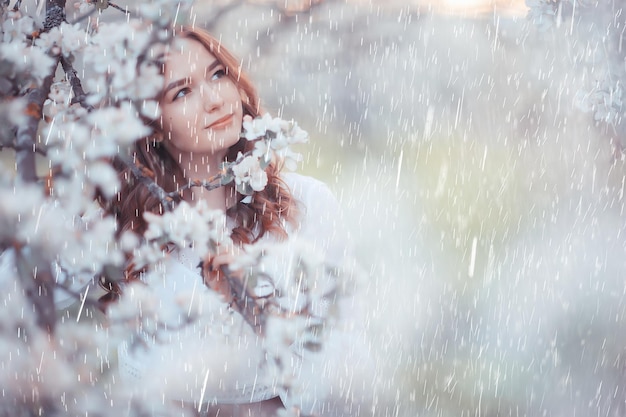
(218, 74)
(181, 93)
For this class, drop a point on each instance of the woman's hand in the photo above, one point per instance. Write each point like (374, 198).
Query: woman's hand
(230, 283)
(217, 273)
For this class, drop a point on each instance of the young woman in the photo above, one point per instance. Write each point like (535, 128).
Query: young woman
(203, 102)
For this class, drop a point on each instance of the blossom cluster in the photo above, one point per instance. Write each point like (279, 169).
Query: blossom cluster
(272, 139)
(128, 45)
(20, 57)
(185, 226)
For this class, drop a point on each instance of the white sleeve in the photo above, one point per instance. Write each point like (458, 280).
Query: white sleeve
(321, 219)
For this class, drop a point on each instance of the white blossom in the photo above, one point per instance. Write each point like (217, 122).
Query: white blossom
(150, 109)
(186, 225)
(137, 297)
(27, 59)
(126, 44)
(104, 176)
(65, 38)
(11, 114)
(249, 172)
(17, 26)
(272, 136)
(256, 128)
(119, 125)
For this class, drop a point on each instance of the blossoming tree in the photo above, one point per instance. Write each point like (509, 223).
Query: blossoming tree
(54, 239)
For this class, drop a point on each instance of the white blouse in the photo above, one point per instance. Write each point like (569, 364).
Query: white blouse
(210, 362)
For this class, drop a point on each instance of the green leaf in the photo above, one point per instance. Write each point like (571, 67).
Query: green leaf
(265, 161)
(227, 178)
(244, 188)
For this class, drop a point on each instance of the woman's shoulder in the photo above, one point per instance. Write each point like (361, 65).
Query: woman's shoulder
(305, 188)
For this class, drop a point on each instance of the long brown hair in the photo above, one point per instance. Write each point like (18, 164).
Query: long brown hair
(269, 210)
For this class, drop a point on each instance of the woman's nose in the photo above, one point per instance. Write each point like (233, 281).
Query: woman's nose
(211, 98)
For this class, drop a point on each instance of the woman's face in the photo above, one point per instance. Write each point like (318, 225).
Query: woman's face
(201, 110)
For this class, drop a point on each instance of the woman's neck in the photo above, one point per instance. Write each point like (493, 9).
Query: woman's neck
(217, 199)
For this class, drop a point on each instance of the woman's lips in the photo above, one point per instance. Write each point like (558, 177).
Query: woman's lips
(221, 123)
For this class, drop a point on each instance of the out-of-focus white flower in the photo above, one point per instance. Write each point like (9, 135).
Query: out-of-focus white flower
(104, 176)
(290, 158)
(17, 26)
(17, 204)
(137, 298)
(281, 333)
(150, 109)
(73, 38)
(69, 39)
(92, 246)
(121, 125)
(128, 241)
(11, 114)
(127, 45)
(28, 59)
(186, 225)
(148, 83)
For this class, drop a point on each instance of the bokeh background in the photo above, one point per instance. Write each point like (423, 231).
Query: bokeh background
(483, 193)
(477, 152)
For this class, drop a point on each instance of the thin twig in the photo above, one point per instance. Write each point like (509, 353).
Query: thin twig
(140, 173)
(211, 184)
(115, 6)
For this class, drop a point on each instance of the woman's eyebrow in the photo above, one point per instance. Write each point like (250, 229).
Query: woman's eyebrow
(182, 81)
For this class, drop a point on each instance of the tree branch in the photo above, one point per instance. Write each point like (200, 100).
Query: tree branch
(27, 132)
(38, 283)
(77, 87)
(35, 273)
